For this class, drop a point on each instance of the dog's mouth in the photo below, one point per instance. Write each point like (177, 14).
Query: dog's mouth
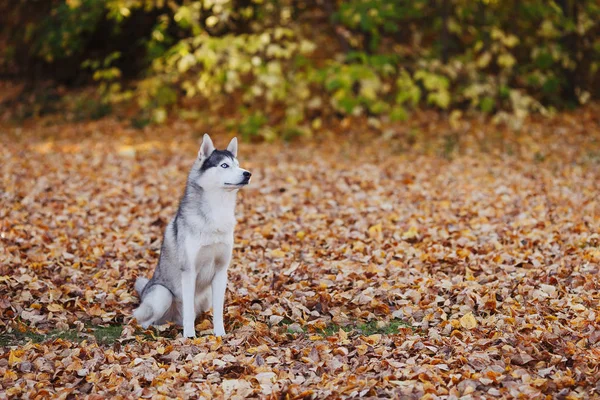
(239, 184)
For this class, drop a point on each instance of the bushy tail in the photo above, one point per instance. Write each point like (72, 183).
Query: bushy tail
(140, 284)
(155, 303)
(143, 314)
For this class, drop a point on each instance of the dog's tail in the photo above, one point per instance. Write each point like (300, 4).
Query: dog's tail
(156, 302)
(143, 314)
(140, 284)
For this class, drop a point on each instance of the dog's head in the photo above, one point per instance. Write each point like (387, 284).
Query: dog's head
(220, 169)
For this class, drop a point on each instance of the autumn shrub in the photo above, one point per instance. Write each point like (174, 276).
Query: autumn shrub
(287, 65)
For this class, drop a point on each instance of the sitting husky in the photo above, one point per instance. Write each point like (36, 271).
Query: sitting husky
(197, 245)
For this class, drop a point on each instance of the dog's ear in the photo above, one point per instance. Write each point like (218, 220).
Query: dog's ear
(232, 147)
(207, 147)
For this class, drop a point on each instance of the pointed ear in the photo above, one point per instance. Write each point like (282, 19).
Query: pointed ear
(207, 147)
(232, 147)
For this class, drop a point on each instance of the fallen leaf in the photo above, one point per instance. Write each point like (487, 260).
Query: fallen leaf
(468, 321)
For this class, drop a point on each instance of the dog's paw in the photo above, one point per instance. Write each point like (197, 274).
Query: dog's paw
(189, 333)
(219, 331)
(146, 325)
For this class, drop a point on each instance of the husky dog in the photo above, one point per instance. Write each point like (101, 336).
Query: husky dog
(197, 245)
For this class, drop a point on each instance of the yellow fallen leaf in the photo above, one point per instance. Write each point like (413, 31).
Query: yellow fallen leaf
(126, 151)
(539, 382)
(300, 235)
(204, 325)
(14, 357)
(463, 253)
(361, 349)
(373, 339)
(375, 231)
(55, 308)
(469, 275)
(412, 233)
(11, 375)
(277, 253)
(468, 321)
(358, 246)
(263, 348)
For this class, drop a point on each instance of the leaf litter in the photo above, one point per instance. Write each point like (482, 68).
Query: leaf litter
(360, 268)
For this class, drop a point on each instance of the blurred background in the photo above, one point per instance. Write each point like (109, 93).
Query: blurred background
(286, 68)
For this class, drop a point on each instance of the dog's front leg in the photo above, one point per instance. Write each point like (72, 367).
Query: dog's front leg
(219, 285)
(188, 293)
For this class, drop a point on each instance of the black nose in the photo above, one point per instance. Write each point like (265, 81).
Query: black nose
(247, 174)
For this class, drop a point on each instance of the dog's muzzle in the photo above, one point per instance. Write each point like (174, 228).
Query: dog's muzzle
(246, 180)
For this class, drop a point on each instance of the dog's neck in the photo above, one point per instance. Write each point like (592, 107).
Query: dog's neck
(215, 206)
(219, 210)
(220, 201)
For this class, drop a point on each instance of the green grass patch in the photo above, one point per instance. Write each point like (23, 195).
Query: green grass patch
(16, 337)
(368, 328)
(364, 329)
(107, 334)
(103, 335)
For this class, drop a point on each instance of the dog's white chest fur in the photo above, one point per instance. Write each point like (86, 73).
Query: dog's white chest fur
(209, 254)
(210, 248)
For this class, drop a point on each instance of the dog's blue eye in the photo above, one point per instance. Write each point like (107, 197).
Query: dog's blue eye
(224, 165)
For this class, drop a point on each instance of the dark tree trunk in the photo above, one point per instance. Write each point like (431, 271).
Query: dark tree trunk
(569, 43)
(445, 39)
(330, 10)
(481, 22)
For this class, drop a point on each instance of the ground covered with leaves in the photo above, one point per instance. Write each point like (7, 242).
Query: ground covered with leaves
(434, 260)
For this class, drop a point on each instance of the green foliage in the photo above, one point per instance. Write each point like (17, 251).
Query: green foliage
(289, 69)
(65, 30)
(436, 86)
(376, 18)
(251, 126)
(353, 88)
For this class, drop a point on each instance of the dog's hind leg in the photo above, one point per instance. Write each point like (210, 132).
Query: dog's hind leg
(140, 284)
(155, 304)
(203, 300)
